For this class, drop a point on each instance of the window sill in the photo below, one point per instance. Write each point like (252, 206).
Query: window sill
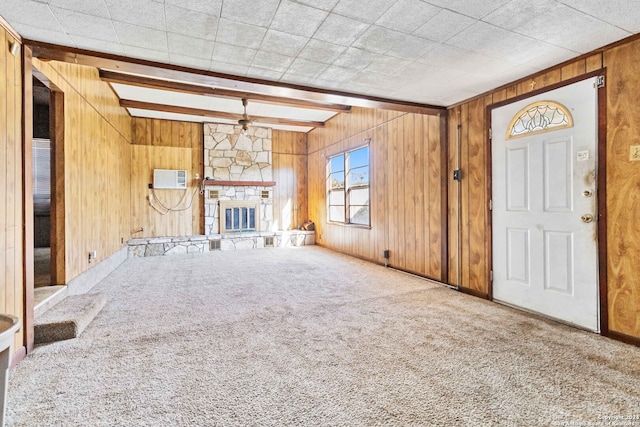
(343, 224)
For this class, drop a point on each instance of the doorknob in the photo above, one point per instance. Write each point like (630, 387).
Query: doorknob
(586, 218)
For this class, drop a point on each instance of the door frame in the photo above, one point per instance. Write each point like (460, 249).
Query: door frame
(601, 183)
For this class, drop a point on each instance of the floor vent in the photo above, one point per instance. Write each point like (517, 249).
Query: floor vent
(268, 241)
(214, 245)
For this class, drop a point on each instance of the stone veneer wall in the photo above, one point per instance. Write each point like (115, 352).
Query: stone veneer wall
(230, 155)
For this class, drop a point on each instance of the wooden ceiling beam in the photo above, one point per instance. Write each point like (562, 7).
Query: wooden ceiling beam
(48, 51)
(176, 109)
(148, 82)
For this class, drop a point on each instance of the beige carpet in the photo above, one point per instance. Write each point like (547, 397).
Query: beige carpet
(304, 336)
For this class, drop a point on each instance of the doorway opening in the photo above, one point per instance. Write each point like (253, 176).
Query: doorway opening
(47, 145)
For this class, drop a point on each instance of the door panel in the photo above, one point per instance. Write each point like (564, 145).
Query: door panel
(544, 255)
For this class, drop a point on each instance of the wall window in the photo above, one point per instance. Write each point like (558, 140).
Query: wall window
(348, 187)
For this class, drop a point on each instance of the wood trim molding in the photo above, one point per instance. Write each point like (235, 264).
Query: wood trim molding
(473, 292)
(444, 198)
(48, 51)
(220, 183)
(4, 24)
(128, 103)
(602, 209)
(27, 200)
(628, 339)
(147, 82)
(17, 356)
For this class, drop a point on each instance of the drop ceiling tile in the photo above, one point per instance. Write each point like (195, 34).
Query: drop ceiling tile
(190, 23)
(252, 12)
(211, 7)
(317, 50)
(387, 65)
(411, 48)
(146, 13)
(622, 13)
(134, 35)
(490, 40)
(442, 54)
(271, 61)
(417, 71)
(40, 34)
(187, 61)
(337, 74)
(142, 53)
(571, 29)
(83, 25)
(475, 9)
(262, 73)
(369, 12)
(238, 34)
(283, 43)
(189, 46)
(519, 12)
(407, 15)
(234, 69)
(320, 4)
(444, 25)
(340, 30)
(306, 68)
(88, 7)
(379, 40)
(296, 79)
(298, 19)
(97, 45)
(233, 54)
(355, 59)
(31, 13)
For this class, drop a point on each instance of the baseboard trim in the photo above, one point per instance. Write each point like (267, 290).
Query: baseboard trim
(17, 357)
(473, 292)
(88, 279)
(628, 339)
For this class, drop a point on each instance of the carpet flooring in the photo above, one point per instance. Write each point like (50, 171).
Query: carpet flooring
(305, 336)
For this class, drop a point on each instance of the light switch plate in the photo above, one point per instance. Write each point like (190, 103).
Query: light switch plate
(635, 153)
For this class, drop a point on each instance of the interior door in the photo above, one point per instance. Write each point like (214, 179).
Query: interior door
(544, 204)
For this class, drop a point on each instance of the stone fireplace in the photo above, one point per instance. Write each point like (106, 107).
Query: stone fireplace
(242, 163)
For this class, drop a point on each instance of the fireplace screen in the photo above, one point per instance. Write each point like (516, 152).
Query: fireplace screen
(240, 219)
(239, 216)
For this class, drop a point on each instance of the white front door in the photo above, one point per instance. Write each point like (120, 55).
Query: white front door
(544, 204)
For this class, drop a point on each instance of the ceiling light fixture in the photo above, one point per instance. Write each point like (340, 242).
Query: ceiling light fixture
(244, 121)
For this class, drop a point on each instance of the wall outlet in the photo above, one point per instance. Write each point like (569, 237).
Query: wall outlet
(197, 176)
(634, 155)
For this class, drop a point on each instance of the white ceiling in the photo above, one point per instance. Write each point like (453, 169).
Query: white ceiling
(435, 52)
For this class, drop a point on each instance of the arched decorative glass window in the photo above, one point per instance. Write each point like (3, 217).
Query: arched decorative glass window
(542, 116)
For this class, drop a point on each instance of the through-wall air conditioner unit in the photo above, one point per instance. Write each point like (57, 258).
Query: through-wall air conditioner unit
(169, 179)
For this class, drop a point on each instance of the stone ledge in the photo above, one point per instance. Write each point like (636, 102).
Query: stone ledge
(157, 246)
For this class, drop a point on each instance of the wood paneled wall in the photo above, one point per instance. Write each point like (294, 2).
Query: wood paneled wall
(289, 167)
(406, 188)
(622, 179)
(97, 165)
(11, 203)
(165, 144)
(623, 188)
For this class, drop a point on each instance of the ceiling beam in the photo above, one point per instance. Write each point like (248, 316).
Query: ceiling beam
(48, 51)
(147, 82)
(176, 109)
